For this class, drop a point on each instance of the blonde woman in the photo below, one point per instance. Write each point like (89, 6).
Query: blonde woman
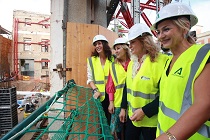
(116, 84)
(184, 109)
(143, 76)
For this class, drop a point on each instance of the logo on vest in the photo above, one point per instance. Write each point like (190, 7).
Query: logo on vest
(145, 78)
(178, 72)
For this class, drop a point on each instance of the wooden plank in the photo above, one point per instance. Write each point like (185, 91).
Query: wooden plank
(79, 47)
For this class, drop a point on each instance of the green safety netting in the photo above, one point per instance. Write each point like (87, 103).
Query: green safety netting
(71, 114)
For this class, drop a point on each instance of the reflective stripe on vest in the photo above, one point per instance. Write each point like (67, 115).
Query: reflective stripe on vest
(120, 86)
(119, 76)
(142, 95)
(99, 83)
(187, 102)
(91, 66)
(133, 109)
(143, 88)
(114, 72)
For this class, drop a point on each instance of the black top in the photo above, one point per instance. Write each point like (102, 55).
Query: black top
(208, 61)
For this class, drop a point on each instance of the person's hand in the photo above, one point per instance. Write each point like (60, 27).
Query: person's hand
(111, 107)
(96, 95)
(138, 115)
(122, 115)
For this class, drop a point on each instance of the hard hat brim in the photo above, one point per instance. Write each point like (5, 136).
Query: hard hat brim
(175, 9)
(193, 21)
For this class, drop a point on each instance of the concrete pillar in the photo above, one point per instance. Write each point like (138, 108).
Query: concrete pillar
(87, 11)
(78, 11)
(56, 44)
(100, 17)
(56, 57)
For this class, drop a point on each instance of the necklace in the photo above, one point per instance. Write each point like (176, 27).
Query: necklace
(137, 65)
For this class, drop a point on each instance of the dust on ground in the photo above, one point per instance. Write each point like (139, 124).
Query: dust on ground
(31, 84)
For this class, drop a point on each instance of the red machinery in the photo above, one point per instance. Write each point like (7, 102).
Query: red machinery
(137, 11)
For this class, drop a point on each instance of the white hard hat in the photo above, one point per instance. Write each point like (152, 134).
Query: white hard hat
(175, 9)
(137, 30)
(99, 37)
(120, 41)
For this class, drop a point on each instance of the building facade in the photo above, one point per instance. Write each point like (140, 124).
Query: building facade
(31, 40)
(203, 38)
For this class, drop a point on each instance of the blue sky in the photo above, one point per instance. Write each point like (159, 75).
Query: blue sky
(200, 7)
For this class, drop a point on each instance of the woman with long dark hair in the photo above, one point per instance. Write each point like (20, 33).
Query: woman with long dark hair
(98, 70)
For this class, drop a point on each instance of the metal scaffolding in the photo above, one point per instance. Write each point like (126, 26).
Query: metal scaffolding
(132, 16)
(16, 42)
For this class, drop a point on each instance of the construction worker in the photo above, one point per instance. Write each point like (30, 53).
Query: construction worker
(98, 70)
(116, 83)
(143, 75)
(184, 107)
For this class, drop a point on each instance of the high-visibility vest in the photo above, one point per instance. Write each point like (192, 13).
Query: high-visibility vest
(144, 87)
(177, 89)
(119, 76)
(99, 73)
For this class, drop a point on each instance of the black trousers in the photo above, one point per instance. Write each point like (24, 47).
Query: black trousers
(105, 105)
(137, 133)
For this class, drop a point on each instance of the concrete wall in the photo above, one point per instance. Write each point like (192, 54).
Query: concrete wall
(203, 38)
(87, 11)
(99, 13)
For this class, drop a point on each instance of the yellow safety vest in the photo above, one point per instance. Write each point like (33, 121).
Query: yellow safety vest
(176, 89)
(119, 76)
(99, 74)
(144, 87)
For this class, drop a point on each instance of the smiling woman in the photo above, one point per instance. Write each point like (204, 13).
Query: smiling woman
(98, 69)
(143, 75)
(115, 86)
(184, 84)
